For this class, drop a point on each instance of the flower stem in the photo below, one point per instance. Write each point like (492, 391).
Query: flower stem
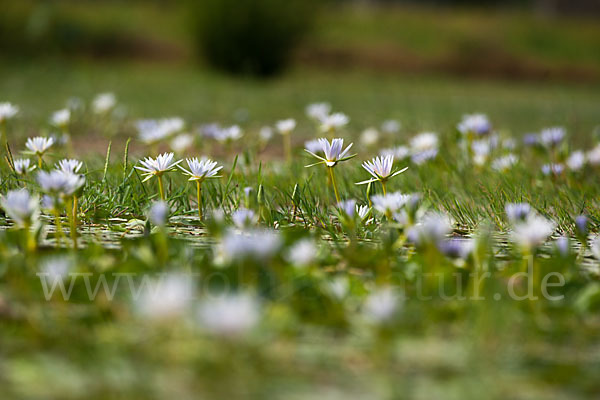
(39, 161)
(74, 222)
(58, 223)
(383, 186)
(287, 144)
(161, 190)
(332, 176)
(199, 198)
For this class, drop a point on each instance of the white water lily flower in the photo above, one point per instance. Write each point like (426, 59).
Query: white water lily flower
(39, 145)
(257, 244)
(517, 211)
(230, 315)
(243, 218)
(399, 152)
(182, 142)
(229, 134)
(200, 170)
(171, 295)
(333, 122)
(157, 166)
(381, 305)
(318, 111)
(23, 166)
(576, 160)
(61, 118)
(532, 232)
(8, 111)
(432, 228)
(152, 131)
(334, 152)
(381, 169)
(286, 126)
(158, 213)
(593, 156)
(390, 202)
(424, 141)
(103, 103)
(477, 124)
(69, 165)
(391, 126)
(552, 137)
(21, 207)
(302, 253)
(59, 182)
(505, 163)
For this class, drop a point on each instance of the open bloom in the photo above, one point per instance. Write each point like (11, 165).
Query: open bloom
(59, 182)
(20, 206)
(334, 152)
(390, 203)
(39, 145)
(8, 111)
(286, 126)
(381, 169)
(505, 163)
(23, 166)
(532, 232)
(200, 170)
(69, 165)
(157, 166)
(576, 160)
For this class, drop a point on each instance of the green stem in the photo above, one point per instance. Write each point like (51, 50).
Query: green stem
(160, 188)
(332, 176)
(58, 223)
(287, 144)
(199, 198)
(39, 161)
(383, 186)
(74, 222)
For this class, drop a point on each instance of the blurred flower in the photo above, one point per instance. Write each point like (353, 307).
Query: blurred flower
(424, 141)
(201, 169)
(8, 111)
(103, 103)
(318, 111)
(456, 248)
(517, 211)
(257, 244)
(532, 231)
(563, 245)
(314, 146)
(391, 126)
(69, 165)
(21, 207)
(381, 305)
(157, 166)
(302, 253)
(390, 202)
(424, 156)
(369, 137)
(334, 152)
(56, 267)
(505, 163)
(243, 218)
(595, 246)
(39, 145)
(432, 228)
(61, 118)
(576, 160)
(167, 297)
(23, 166)
(59, 182)
(229, 315)
(531, 139)
(333, 122)
(593, 156)
(477, 124)
(229, 134)
(265, 133)
(182, 142)
(552, 137)
(481, 150)
(399, 152)
(158, 213)
(554, 169)
(286, 126)
(348, 207)
(152, 131)
(581, 223)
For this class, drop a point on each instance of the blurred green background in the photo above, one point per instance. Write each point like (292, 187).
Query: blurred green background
(526, 63)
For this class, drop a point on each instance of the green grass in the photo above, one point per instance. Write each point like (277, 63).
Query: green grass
(419, 102)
